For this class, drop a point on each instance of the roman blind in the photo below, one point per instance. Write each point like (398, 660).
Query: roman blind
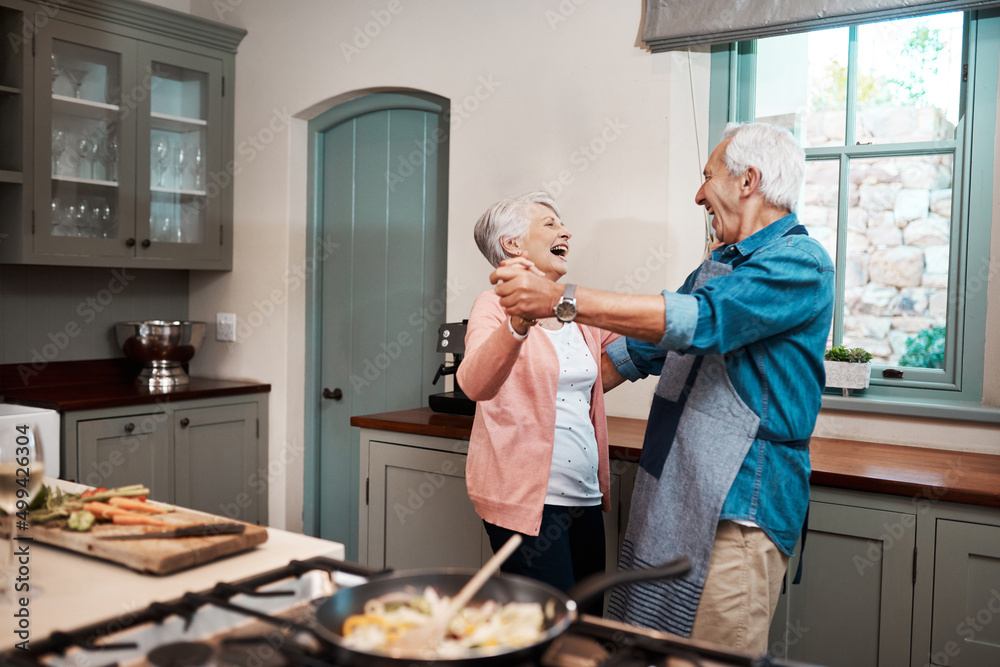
(678, 24)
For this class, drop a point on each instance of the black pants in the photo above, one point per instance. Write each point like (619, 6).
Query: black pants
(569, 547)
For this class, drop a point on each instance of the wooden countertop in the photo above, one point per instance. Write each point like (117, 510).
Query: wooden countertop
(959, 477)
(102, 383)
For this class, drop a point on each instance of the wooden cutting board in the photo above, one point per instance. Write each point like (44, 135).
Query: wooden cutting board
(158, 555)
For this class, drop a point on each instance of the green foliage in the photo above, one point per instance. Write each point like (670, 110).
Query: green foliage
(925, 350)
(853, 355)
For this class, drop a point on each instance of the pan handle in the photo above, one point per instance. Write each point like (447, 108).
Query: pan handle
(593, 586)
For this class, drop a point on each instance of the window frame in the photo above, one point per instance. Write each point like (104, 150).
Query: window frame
(958, 390)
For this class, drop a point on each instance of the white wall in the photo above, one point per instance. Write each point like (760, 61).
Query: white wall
(551, 77)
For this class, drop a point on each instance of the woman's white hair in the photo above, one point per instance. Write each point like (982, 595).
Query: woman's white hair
(775, 152)
(508, 219)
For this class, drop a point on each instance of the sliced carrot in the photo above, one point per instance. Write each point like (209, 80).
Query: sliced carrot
(135, 505)
(103, 510)
(133, 519)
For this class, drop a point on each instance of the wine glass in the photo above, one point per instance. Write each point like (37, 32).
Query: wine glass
(82, 217)
(162, 154)
(181, 159)
(197, 162)
(83, 150)
(21, 472)
(110, 152)
(55, 71)
(59, 145)
(76, 76)
(108, 230)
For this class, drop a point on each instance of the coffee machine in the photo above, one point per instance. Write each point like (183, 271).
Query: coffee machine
(451, 339)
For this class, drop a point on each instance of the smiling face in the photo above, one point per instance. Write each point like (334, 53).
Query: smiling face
(720, 195)
(546, 242)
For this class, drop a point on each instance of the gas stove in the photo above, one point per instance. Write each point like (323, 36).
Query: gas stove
(265, 621)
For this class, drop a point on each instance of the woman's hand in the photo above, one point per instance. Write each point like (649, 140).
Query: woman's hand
(521, 325)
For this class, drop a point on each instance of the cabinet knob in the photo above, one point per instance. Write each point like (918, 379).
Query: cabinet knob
(184, 422)
(129, 427)
(145, 243)
(129, 243)
(336, 394)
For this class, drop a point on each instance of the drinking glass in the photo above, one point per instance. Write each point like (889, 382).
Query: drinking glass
(162, 153)
(82, 218)
(59, 145)
(108, 227)
(181, 160)
(76, 75)
(84, 149)
(110, 152)
(21, 472)
(197, 163)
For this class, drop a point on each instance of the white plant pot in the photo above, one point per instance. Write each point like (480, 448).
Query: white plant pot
(845, 375)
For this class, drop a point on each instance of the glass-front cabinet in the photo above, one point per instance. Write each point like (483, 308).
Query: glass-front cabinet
(115, 129)
(133, 133)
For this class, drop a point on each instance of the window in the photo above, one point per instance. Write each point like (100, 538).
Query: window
(898, 182)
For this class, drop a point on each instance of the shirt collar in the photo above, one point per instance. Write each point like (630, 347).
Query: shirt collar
(755, 241)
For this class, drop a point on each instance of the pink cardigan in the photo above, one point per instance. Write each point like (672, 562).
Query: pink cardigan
(514, 383)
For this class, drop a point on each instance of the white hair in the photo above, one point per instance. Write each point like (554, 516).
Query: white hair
(508, 219)
(775, 152)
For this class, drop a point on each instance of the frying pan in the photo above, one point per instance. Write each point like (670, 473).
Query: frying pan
(333, 611)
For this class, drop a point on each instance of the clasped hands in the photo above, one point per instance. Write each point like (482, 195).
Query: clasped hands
(525, 293)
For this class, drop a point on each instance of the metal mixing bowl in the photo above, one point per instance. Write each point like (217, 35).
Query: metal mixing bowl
(162, 348)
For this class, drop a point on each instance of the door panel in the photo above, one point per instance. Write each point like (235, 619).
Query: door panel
(381, 207)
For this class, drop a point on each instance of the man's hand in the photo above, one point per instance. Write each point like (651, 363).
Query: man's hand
(523, 289)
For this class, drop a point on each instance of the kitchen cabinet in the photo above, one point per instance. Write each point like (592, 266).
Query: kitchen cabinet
(911, 581)
(15, 118)
(131, 147)
(207, 454)
(857, 582)
(416, 512)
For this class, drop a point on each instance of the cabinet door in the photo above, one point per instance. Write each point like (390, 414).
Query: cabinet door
(854, 603)
(180, 157)
(216, 460)
(84, 143)
(965, 630)
(419, 512)
(127, 450)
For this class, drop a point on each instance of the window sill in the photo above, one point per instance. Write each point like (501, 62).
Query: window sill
(955, 410)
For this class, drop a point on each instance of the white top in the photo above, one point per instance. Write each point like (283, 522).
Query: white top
(573, 474)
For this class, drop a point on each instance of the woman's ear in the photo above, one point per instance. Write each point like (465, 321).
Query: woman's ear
(513, 247)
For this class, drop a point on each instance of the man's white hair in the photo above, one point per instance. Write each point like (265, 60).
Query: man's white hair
(508, 219)
(775, 152)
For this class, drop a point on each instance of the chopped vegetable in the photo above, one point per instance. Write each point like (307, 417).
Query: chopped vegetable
(80, 520)
(89, 493)
(136, 505)
(51, 504)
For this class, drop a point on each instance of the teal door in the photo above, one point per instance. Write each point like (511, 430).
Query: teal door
(379, 239)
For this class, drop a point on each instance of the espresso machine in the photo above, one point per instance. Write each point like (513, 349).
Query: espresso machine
(451, 340)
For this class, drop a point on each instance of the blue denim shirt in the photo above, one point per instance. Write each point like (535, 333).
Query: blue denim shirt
(770, 318)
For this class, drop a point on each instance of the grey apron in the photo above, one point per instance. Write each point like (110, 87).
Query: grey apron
(698, 433)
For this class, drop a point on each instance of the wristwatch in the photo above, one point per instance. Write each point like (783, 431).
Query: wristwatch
(565, 309)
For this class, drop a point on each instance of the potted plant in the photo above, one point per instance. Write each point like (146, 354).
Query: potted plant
(848, 368)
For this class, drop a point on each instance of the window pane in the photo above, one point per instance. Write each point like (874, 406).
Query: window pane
(817, 210)
(909, 78)
(801, 85)
(898, 247)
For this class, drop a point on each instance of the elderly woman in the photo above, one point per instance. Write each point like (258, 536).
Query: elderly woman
(538, 454)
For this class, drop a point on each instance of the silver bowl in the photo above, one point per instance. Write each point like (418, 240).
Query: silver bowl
(162, 348)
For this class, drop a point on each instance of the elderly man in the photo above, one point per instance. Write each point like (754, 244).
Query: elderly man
(724, 471)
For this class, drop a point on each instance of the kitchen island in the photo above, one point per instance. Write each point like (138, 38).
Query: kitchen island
(77, 590)
(903, 542)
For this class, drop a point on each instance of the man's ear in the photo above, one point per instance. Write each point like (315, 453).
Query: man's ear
(750, 182)
(512, 246)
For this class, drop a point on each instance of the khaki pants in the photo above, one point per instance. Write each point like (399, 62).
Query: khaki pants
(741, 589)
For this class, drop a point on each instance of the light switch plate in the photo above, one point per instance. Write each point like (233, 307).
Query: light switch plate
(225, 327)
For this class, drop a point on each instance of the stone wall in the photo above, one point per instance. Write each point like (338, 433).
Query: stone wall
(898, 228)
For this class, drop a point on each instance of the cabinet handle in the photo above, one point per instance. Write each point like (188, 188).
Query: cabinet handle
(145, 243)
(184, 422)
(129, 243)
(336, 394)
(129, 427)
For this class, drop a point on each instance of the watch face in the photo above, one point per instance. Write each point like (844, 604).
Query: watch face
(566, 310)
